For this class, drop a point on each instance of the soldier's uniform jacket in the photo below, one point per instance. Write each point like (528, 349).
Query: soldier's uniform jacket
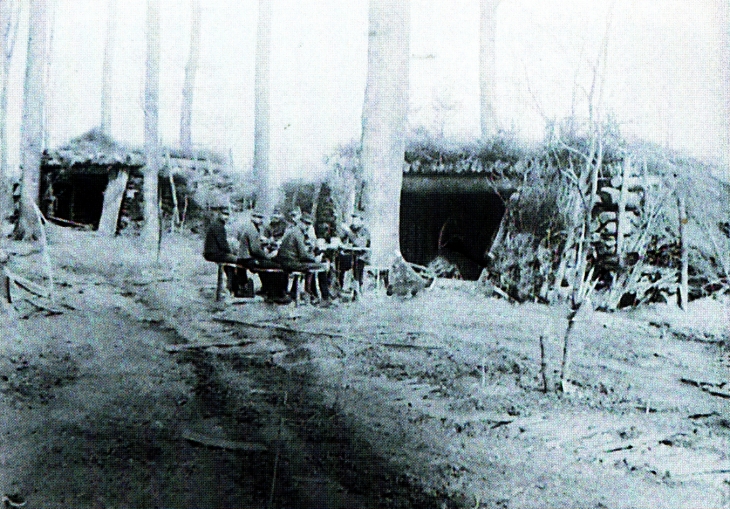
(293, 248)
(216, 242)
(249, 242)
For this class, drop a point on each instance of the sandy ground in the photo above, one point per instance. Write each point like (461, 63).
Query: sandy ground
(132, 388)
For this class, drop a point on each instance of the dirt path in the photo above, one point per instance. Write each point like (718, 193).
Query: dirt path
(432, 402)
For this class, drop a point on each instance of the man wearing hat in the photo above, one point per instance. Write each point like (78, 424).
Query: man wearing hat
(295, 255)
(251, 254)
(354, 254)
(274, 230)
(216, 248)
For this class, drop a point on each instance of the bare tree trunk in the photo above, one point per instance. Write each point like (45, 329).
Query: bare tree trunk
(9, 16)
(487, 66)
(383, 124)
(31, 129)
(107, 72)
(684, 268)
(350, 185)
(48, 91)
(315, 200)
(151, 229)
(265, 196)
(191, 69)
(113, 196)
(621, 218)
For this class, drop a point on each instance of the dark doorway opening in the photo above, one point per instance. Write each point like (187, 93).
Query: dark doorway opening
(456, 225)
(80, 198)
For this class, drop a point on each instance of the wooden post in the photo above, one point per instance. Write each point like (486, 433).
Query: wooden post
(4, 279)
(543, 363)
(175, 221)
(219, 284)
(621, 215)
(684, 270)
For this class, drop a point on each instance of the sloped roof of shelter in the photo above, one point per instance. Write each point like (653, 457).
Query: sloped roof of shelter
(93, 149)
(440, 157)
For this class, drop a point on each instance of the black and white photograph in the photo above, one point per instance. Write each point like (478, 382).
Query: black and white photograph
(353, 254)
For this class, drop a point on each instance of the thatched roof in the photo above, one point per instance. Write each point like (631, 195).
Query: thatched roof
(94, 149)
(439, 157)
(98, 152)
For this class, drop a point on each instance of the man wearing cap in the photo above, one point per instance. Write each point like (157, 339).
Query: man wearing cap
(251, 254)
(310, 237)
(216, 248)
(354, 253)
(274, 231)
(295, 255)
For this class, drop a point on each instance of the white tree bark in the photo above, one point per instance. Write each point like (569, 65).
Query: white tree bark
(265, 195)
(384, 120)
(151, 228)
(113, 196)
(31, 128)
(191, 69)
(9, 16)
(107, 70)
(487, 66)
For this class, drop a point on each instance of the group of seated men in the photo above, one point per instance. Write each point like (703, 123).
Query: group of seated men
(291, 246)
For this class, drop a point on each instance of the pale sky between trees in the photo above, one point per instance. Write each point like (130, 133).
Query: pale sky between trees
(667, 78)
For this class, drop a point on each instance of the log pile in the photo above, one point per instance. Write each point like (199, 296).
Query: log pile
(617, 216)
(624, 250)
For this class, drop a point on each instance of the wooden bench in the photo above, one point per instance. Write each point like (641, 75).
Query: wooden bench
(294, 276)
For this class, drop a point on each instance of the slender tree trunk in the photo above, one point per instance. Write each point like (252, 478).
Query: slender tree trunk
(31, 128)
(684, 257)
(384, 120)
(191, 69)
(265, 196)
(151, 229)
(487, 66)
(9, 16)
(107, 71)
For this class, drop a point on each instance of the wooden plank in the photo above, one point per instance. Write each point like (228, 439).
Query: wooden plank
(269, 325)
(27, 284)
(408, 345)
(636, 183)
(199, 346)
(222, 443)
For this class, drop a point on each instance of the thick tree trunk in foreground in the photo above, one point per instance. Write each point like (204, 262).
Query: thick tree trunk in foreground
(9, 15)
(487, 66)
(191, 69)
(151, 228)
(31, 128)
(113, 196)
(265, 195)
(384, 123)
(107, 71)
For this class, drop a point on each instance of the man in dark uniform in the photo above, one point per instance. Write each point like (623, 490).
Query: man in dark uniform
(354, 251)
(216, 248)
(295, 255)
(251, 254)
